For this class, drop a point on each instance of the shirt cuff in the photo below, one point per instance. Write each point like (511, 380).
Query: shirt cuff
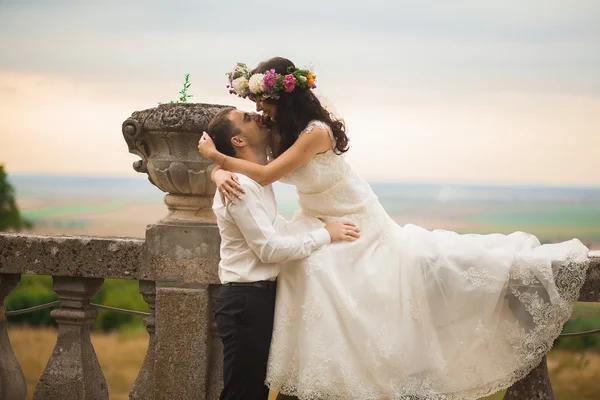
(321, 237)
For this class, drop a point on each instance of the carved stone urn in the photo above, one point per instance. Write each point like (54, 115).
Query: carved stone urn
(166, 138)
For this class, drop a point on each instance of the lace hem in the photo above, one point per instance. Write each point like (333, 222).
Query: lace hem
(529, 347)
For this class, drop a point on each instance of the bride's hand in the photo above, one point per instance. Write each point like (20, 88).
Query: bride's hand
(228, 185)
(207, 148)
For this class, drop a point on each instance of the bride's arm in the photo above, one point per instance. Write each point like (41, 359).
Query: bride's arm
(305, 147)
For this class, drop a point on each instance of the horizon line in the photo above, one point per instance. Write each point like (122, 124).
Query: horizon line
(370, 181)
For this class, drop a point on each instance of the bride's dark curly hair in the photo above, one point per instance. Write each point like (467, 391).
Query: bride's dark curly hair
(296, 109)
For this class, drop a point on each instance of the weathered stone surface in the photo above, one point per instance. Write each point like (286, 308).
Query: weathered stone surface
(177, 117)
(183, 257)
(591, 288)
(73, 371)
(76, 256)
(166, 139)
(12, 380)
(182, 325)
(143, 387)
(183, 209)
(535, 386)
(184, 253)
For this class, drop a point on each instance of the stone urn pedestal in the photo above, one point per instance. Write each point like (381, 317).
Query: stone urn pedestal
(181, 249)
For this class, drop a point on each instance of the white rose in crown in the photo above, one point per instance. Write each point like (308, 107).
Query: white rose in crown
(257, 83)
(240, 85)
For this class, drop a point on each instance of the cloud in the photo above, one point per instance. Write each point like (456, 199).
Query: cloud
(512, 18)
(381, 43)
(462, 90)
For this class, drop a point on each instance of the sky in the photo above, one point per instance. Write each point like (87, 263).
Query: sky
(469, 91)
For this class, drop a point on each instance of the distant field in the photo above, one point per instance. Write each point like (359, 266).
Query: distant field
(549, 223)
(124, 206)
(63, 210)
(545, 216)
(130, 219)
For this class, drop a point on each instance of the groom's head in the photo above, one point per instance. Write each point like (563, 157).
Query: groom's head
(236, 132)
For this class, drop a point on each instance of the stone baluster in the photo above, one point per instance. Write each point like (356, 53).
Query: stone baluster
(12, 381)
(535, 386)
(143, 388)
(73, 371)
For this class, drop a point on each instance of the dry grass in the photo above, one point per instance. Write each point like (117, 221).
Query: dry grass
(575, 376)
(120, 356)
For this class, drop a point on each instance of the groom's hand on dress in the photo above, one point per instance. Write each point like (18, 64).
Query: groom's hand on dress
(343, 231)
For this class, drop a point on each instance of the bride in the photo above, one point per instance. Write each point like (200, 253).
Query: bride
(402, 312)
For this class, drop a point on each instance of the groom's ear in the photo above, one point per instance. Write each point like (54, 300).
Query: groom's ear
(238, 141)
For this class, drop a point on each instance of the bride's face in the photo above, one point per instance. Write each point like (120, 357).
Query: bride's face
(267, 109)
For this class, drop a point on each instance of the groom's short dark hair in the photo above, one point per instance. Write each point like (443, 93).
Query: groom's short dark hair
(221, 130)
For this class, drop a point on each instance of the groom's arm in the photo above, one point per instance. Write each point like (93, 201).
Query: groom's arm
(252, 219)
(280, 224)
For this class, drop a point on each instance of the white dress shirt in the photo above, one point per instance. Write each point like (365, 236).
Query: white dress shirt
(251, 245)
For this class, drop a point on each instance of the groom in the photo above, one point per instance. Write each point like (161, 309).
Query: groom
(251, 249)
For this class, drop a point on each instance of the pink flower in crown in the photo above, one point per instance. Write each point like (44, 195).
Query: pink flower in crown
(270, 79)
(289, 82)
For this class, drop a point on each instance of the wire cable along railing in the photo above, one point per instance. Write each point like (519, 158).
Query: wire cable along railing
(57, 302)
(145, 314)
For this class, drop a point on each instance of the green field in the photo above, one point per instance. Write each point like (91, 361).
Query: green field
(547, 223)
(544, 217)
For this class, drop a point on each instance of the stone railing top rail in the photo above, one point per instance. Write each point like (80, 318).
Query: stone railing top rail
(75, 256)
(123, 258)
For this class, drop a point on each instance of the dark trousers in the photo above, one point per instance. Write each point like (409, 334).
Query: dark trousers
(244, 317)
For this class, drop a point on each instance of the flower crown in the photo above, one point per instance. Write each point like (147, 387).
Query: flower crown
(269, 85)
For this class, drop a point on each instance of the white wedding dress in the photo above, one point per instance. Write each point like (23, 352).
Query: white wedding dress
(407, 312)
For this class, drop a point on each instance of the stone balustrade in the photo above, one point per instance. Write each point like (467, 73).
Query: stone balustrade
(184, 357)
(176, 267)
